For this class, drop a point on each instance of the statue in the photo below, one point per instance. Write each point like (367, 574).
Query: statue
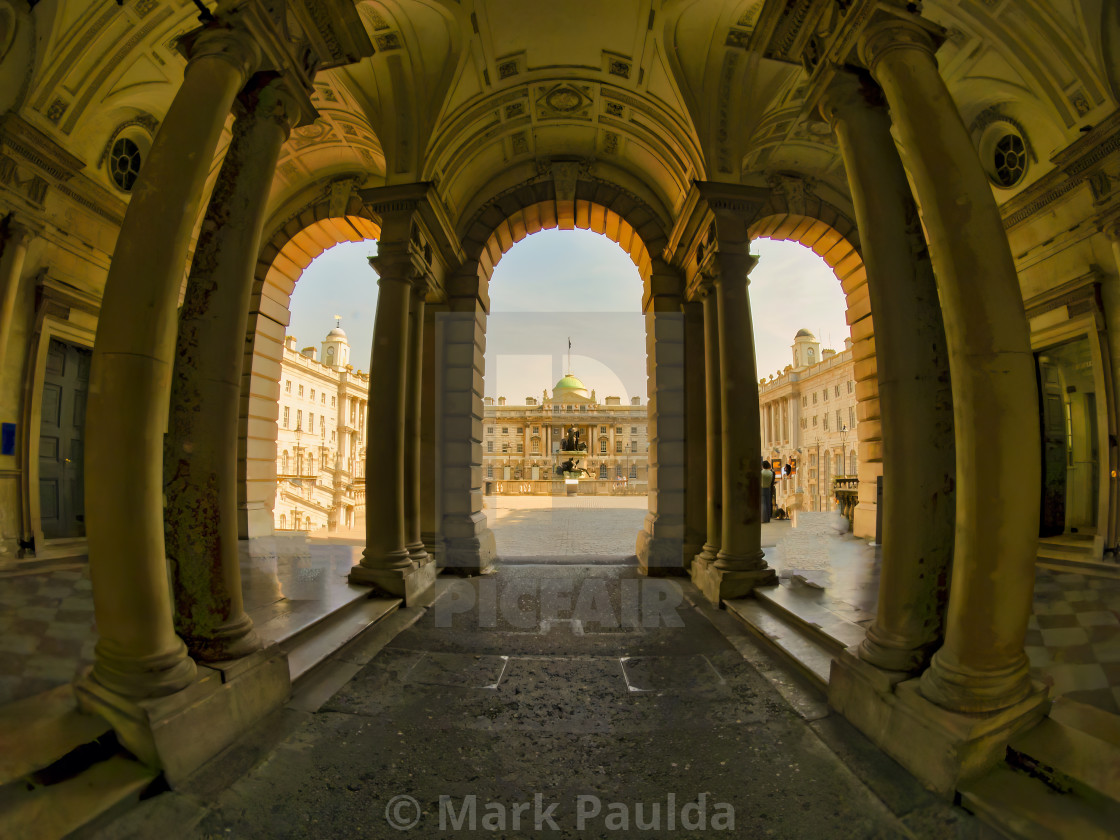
(571, 441)
(569, 468)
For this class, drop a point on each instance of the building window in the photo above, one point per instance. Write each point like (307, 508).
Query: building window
(313, 393)
(505, 430)
(489, 430)
(555, 430)
(851, 417)
(489, 446)
(814, 421)
(124, 163)
(311, 422)
(536, 447)
(505, 447)
(288, 386)
(837, 390)
(618, 446)
(299, 419)
(602, 430)
(633, 470)
(322, 425)
(489, 472)
(323, 399)
(536, 430)
(851, 386)
(332, 402)
(286, 410)
(618, 430)
(804, 401)
(633, 430)
(618, 470)
(284, 463)
(804, 423)
(814, 398)
(520, 430)
(602, 446)
(824, 394)
(583, 408)
(824, 422)
(633, 446)
(602, 471)
(838, 421)
(301, 390)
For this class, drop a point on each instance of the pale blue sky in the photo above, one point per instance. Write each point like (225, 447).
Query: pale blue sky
(555, 284)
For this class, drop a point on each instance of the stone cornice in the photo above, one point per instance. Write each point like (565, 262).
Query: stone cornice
(1083, 288)
(1073, 165)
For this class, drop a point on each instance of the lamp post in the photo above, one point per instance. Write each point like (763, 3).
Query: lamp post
(297, 448)
(843, 450)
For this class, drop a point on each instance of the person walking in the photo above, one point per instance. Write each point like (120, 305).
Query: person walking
(767, 496)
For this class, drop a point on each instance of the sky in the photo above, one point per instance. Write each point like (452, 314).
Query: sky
(555, 285)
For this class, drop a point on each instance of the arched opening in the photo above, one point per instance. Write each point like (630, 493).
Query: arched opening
(565, 361)
(834, 239)
(290, 249)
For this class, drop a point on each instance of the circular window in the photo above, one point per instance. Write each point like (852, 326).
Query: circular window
(1009, 160)
(124, 163)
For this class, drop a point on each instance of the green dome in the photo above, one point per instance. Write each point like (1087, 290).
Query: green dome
(570, 386)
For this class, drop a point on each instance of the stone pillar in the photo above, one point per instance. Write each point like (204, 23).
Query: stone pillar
(14, 241)
(696, 508)
(738, 566)
(1110, 299)
(660, 543)
(741, 543)
(138, 653)
(712, 423)
(461, 350)
(200, 448)
(914, 391)
(981, 667)
(386, 562)
(429, 497)
(414, 541)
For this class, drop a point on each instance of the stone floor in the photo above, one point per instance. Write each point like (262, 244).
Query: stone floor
(579, 696)
(554, 527)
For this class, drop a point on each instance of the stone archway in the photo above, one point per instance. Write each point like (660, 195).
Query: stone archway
(831, 235)
(604, 208)
(333, 215)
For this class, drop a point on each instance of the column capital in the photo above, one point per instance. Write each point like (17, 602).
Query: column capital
(269, 96)
(850, 90)
(721, 266)
(231, 43)
(891, 32)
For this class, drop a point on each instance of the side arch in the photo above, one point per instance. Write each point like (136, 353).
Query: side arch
(330, 214)
(832, 235)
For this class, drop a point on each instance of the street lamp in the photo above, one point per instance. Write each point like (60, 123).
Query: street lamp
(843, 450)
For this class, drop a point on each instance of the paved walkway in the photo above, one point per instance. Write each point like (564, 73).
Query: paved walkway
(580, 697)
(565, 526)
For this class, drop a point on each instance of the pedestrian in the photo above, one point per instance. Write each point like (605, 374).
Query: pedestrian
(767, 499)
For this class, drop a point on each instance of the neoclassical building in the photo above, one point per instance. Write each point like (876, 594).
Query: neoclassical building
(522, 441)
(169, 168)
(320, 438)
(808, 421)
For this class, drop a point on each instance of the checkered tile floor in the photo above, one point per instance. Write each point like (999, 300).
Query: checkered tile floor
(46, 631)
(1073, 638)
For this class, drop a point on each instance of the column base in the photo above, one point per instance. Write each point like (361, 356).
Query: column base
(948, 684)
(232, 641)
(418, 553)
(659, 556)
(719, 584)
(180, 732)
(944, 750)
(882, 652)
(415, 584)
(468, 556)
(153, 676)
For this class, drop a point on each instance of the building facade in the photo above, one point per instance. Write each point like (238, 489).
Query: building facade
(320, 441)
(521, 442)
(809, 420)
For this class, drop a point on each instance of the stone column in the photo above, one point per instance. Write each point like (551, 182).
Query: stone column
(741, 543)
(14, 241)
(386, 562)
(660, 543)
(429, 497)
(461, 350)
(696, 508)
(414, 541)
(914, 391)
(200, 448)
(138, 653)
(1110, 299)
(981, 667)
(713, 423)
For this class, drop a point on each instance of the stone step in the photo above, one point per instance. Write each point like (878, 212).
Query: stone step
(37, 731)
(1023, 807)
(41, 811)
(1069, 759)
(1061, 560)
(1086, 718)
(317, 641)
(804, 649)
(829, 628)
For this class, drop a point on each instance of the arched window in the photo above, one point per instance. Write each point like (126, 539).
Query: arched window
(283, 522)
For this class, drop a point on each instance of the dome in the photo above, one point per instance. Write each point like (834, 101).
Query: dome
(337, 332)
(805, 334)
(570, 385)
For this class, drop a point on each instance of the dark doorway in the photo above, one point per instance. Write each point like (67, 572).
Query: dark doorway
(61, 433)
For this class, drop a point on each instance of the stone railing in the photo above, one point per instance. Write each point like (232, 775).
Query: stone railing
(846, 491)
(558, 487)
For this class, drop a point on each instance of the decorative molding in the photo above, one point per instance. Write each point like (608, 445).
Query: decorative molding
(1080, 290)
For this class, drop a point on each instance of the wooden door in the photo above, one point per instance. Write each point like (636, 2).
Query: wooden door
(61, 433)
(1054, 449)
